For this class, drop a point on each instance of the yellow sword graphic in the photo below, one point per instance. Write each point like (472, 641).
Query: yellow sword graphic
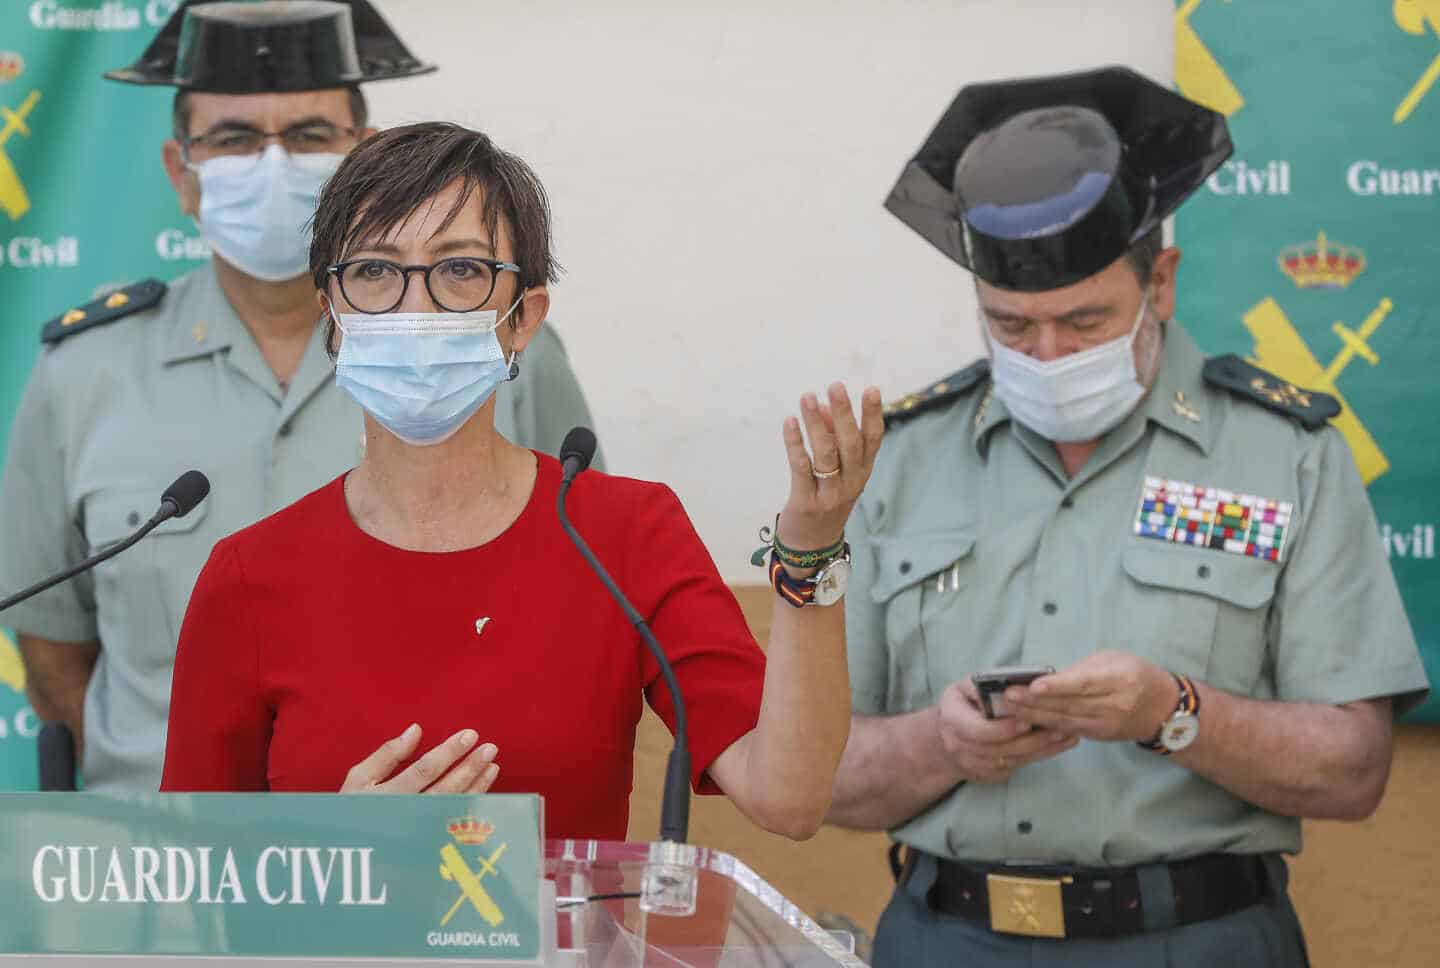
(1412, 16)
(12, 191)
(454, 868)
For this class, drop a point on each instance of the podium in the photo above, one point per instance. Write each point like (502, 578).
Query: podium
(330, 880)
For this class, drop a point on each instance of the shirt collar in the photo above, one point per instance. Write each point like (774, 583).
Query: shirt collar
(1177, 400)
(204, 322)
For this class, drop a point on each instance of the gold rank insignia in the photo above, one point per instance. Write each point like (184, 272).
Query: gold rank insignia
(936, 394)
(1310, 408)
(107, 309)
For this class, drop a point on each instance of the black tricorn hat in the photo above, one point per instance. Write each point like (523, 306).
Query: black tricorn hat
(244, 47)
(1040, 182)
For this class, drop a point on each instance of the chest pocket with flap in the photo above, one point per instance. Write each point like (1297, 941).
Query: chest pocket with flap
(133, 588)
(1199, 612)
(904, 566)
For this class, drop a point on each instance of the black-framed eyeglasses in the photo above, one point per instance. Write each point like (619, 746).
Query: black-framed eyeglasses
(305, 138)
(457, 285)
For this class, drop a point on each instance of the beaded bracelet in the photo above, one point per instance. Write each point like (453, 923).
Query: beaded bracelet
(791, 557)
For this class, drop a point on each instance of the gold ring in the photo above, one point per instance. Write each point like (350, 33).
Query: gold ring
(826, 475)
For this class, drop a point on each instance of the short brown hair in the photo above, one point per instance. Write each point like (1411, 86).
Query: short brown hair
(388, 177)
(180, 111)
(1145, 251)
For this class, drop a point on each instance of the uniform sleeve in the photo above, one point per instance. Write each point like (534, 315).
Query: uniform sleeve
(1339, 632)
(220, 723)
(548, 398)
(39, 532)
(865, 648)
(699, 624)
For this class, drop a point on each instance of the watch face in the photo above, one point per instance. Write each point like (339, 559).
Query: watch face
(832, 581)
(1180, 732)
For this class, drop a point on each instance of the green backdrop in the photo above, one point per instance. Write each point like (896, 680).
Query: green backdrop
(1309, 251)
(84, 207)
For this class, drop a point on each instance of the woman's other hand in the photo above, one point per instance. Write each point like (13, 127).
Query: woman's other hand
(451, 767)
(826, 480)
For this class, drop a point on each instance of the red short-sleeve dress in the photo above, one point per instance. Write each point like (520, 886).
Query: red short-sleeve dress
(308, 643)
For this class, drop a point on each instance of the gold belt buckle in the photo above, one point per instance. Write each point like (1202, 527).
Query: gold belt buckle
(1026, 905)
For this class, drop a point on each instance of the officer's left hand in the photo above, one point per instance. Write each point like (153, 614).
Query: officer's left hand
(1109, 696)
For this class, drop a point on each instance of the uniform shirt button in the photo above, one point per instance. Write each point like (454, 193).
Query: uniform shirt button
(904, 567)
(1067, 501)
(1051, 608)
(285, 429)
(133, 519)
(1203, 571)
(1024, 826)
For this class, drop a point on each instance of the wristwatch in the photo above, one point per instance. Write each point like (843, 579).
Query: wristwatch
(826, 587)
(1183, 726)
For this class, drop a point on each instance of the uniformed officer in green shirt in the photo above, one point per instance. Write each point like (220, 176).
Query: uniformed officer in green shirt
(1186, 541)
(224, 370)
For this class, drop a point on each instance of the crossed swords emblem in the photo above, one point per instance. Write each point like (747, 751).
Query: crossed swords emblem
(1200, 77)
(453, 868)
(13, 200)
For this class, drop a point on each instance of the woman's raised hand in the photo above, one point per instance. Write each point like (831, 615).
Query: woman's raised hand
(826, 479)
(451, 767)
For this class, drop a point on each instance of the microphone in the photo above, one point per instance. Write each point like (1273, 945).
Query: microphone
(577, 452)
(189, 489)
(178, 500)
(575, 455)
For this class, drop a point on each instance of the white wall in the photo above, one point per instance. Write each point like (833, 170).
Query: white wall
(717, 172)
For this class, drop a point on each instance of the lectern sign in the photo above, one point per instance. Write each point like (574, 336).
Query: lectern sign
(271, 875)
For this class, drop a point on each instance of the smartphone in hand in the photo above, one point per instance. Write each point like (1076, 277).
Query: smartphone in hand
(991, 686)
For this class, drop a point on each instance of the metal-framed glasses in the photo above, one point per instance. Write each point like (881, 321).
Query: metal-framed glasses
(457, 285)
(305, 138)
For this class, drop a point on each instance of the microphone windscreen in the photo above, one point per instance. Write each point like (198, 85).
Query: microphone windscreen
(579, 445)
(189, 489)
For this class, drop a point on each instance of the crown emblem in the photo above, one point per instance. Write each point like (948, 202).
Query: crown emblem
(470, 830)
(1322, 264)
(12, 65)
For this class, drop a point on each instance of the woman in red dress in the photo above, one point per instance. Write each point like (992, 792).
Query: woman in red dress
(430, 591)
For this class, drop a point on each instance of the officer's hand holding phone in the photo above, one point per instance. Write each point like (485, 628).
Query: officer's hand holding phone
(989, 750)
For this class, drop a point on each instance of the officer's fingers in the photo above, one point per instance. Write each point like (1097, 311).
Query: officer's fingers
(464, 775)
(1040, 745)
(434, 764)
(370, 771)
(991, 732)
(1037, 740)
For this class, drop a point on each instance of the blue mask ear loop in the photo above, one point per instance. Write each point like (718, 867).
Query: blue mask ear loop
(514, 373)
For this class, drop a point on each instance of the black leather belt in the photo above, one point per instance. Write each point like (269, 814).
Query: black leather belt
(1090, 903)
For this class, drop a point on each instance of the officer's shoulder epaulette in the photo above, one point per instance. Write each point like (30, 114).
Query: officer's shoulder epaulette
(1309, 408)
(937, 394)
(119, 304)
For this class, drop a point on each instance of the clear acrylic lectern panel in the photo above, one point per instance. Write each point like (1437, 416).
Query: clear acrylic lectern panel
(633, 904)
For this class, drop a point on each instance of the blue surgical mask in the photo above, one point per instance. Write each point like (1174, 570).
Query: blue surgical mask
(255, 211)
(421, 375)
